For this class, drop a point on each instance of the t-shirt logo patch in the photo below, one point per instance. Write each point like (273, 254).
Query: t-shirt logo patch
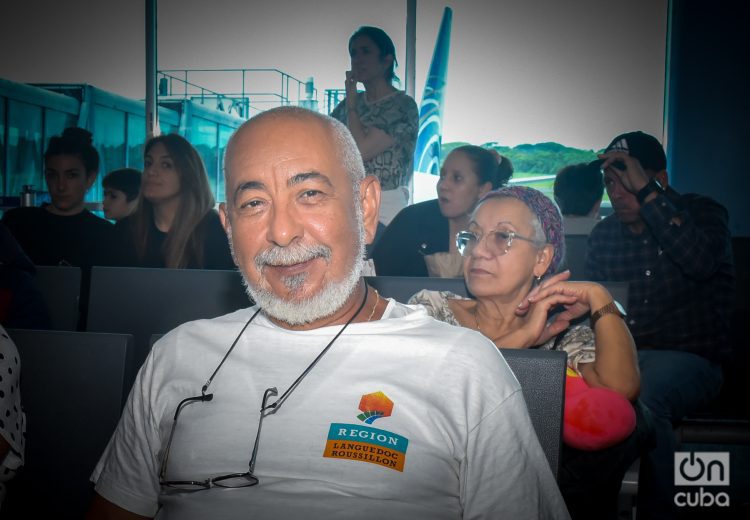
(367, 444)
(374, 406)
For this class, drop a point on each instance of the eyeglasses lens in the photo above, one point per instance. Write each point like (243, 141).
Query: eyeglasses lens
(498, 242)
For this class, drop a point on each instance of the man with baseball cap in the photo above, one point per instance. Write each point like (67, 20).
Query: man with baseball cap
(675, 250)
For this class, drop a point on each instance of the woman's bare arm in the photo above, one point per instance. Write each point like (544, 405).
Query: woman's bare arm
(615, 365)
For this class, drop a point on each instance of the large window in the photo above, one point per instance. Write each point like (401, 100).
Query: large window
(2, 146)
(109, 139)
(24, 147)
(55, 122)
(136, 139)
(203, 136)
(224, 134)
(577, 74)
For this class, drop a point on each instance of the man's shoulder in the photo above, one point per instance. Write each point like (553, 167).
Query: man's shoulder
(696, 200)
(225, 320)
(205, 331)
(605, 227)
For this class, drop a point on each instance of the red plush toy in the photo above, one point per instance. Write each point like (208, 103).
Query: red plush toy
(595, 418)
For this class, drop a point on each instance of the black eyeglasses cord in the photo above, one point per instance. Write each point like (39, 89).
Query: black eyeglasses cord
(275, 406)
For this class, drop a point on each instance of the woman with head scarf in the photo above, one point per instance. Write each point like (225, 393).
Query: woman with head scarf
(511, 248)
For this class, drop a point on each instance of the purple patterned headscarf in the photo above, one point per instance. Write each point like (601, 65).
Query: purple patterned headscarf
(545, 210)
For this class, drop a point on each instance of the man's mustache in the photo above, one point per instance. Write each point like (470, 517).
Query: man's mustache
(291, 255)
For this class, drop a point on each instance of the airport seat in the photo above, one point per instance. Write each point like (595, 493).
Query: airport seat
(143, 302)
(72, 390)
(619, 291)
(575, 256)
(60, 287)
(541, 374)
(401, 288)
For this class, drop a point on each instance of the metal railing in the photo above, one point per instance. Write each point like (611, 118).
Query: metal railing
(333, 96)
(243, 92)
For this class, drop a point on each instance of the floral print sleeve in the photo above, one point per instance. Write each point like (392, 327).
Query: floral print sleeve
(436, 303)
(578, 342)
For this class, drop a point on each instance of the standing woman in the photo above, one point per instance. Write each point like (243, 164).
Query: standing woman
(175, 224)
(383, 120)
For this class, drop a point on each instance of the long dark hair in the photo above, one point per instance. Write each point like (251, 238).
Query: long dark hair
(183, 245)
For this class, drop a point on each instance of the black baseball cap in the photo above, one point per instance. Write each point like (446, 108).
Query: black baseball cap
(644, 147)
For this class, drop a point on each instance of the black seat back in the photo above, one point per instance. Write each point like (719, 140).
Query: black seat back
(541, 374)
(72, 390)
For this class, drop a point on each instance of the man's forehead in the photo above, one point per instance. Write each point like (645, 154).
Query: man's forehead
(284, 139)
(283, 147)
(285, 128)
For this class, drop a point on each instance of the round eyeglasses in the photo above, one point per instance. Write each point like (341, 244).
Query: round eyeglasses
(498, 241)
(230, 480)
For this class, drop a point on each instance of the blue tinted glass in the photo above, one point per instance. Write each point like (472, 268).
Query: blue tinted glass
(136, 139)
(203, 136)
(109, 139)
(3, 186)
(24, 147)
(224, 134)
(55, 122)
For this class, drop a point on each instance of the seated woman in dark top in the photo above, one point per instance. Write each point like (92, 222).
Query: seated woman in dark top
(175, 224)
(419, 241)
(63, 232)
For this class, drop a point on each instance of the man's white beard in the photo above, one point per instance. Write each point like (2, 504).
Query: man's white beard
(326, 302)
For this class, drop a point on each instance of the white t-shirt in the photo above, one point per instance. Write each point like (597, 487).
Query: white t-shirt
(442, 430)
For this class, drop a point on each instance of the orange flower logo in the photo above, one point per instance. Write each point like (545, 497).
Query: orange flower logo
(374, 406)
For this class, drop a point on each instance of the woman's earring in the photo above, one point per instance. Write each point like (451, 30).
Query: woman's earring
(537, 280)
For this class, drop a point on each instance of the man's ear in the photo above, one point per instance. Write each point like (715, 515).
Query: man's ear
(224, 217)
(662, 177)
(369, 195)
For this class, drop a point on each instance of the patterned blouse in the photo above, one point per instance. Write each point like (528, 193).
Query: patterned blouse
(396, 115)
(578, 340)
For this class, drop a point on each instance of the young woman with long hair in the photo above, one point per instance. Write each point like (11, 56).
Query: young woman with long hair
(175, 224)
